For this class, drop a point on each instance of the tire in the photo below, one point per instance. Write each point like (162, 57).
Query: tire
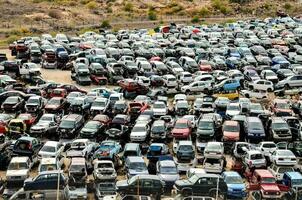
(187, 92)
(212, 193)
(286, 86)
(269, 90)
(247, 95)
(251, 87)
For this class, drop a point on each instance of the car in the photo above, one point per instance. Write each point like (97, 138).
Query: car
(281, 107)
(34, 104)
(289, 82)
(230, 131)
(50, 164)
(205, 128)
(253, 128)
(18, 169)
(93, 130)
(81, 148)
(27, 146)
(283, 157)
(139, 132)
(158, 130)
(99, 105)
(104, 170)
(214, 150)
(156, 151)
(182, 108)
(262, 85)
(228, 84)
(70, 126)
(254, 158)
(46, 126)
(81, 106)
(13, 104)
(145, 184)
(104, 189)
(52, 149)
(182, 129)
(197, 86)
(213, 165)
(135, 165)
(45, 180)
(278, 171)
(279, 130)
(203, 184)
(167, 172)
(108, 149)
(267, 147)
(232, 110)
(235, 184)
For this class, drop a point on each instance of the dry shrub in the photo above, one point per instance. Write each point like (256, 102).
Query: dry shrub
(54, 14)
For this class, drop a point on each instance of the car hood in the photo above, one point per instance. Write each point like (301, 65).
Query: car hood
(138, 171)
(22, 172)
(46, 154)
(122, 183)
(181, 130)
(88, 130)
(97, 108)
(49, 106)
(183, 183)
(230, 134)
(74, 153)
(270, 187)
(236, 186)
(169, 177)
(138, 133)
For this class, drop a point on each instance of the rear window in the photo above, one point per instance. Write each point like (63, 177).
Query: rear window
(23, 145)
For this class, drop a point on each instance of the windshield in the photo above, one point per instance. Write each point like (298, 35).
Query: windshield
(92, 125)
(181, 125)
(193, 178)
(33, 101)
(233, 107)
(279, 126)
(17, 166)
(158, 128)
(54, 101)
(138, 165)
(285, 169)
(283, 106)
(256, 156)
(159, 105)
(67, 124)
(185, 148)
(205, 125)
(77, 168)
(234, 180)
(256, 126)
(45, 118)
(229, 128)
(168, 170)
(48, 167)
(48, 149)
(256, 107)
(99, 104)
(268, 180)
(78, 145)
(139, 129)
(104, 165)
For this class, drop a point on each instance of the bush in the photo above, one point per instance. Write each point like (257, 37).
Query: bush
(204, 12)
(287, 6)
(105, 24)
(54, 14)
(195, 19)
(91, 5)
(128, 7)
(152, 15)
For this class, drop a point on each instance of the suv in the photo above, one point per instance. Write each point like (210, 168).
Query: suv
(202, 184)
(279, 130)
(144, 184)
(135, 165)
(70, 126)
(205, 128)
(47, 180)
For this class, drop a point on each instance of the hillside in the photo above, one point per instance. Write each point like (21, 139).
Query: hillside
(19, 17)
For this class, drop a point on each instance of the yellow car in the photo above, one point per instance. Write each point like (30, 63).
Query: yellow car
(231, 95)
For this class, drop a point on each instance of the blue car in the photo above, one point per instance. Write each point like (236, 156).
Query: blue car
(108, 149)
(228, 84)
(235, 184)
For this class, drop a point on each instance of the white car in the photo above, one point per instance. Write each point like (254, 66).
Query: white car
(283, 157)
(159, 109)
(192, 119)
(261, 94)
(50, 164)
(104, 170)
(262, 84)
(254, 158)
(18, 169)
(213, 165)
(198, 86)
(267, 147)
(143, 80)
(233, 109)
(179, 97)
(269, 75)
(214, 150)
(72, 95)
(81, 148)
(278, 171)
(170, 81)
(51, 149)
(99, 105)
(139, 132)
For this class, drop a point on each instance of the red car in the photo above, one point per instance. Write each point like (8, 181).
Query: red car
(204, 65)
(281, 107)
(72, 88)
(263, 180)
(99, 80)
(182, 129)
(58, 92)
(132, 86)
(102, 118)
(28, 119)
(135, 108)
(56, 105)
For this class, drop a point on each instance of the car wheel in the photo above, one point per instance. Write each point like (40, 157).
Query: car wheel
(269, 90)
(247, 95)
(251, 87)
(212, 193)
(286, 86)
(187, 92)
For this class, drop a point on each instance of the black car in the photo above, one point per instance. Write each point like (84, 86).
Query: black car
(93, 130)
(205, 185)
(13, 104)
(70, 126)
(27, 146)
(145, 184)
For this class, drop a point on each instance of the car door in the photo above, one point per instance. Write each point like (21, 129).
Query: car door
(194, 87)
(201, 186)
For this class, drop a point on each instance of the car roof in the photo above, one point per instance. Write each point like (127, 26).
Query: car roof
(231, 173)
(19, 159)
(48, 161)
(135, 159)
(167, 163)
(231, 123)
(78, 160)
(264, 173)
(51, 143)
(294, 175)
(185, 142)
